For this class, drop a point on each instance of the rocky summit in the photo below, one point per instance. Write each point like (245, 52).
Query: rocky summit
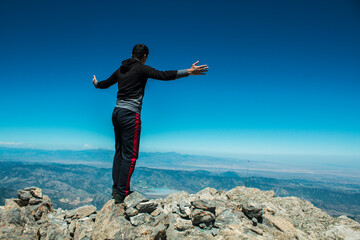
(240, 213)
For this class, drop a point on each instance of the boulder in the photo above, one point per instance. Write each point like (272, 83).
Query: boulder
(81, 212)
(134, 199)
(24, 195)
(208, 205)
(34, 201)
(141, 218)
(201, 216)
(35, 191)
(83, 228)
(146, 207)
(130, 212)
(110, 222)
(11, 203)
(252, 209)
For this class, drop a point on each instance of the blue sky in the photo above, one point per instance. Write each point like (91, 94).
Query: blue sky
(283, 78)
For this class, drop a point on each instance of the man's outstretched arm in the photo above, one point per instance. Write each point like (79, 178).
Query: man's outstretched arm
(106, 83)
(171, 75)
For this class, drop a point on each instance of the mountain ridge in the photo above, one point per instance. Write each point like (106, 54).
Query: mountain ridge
(240, 213)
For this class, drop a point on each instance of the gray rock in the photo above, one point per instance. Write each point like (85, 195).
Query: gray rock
(24, 195)
(141, 219)
(81, 212)
(54, 230)
(146, 207)
(184, 205)
(214, 232)
(156, 212)
(92, 217)
(208, 205)
(39, 210)
(252, 209)
(207, 194)
(182, 224)
(276, 218)
(12, 203)
(34, 201)
(21, 203)
(130, 212)
(229, 216)
(110, 222)
(35, 191)
(47, 202)
(71, 227)
(255, 221)
(175, 197)
(134, 199)
(184, 209)
(174, 207)
(206, 226)
(143, 232)
(83, 229)
(201, 216)
(17, 223)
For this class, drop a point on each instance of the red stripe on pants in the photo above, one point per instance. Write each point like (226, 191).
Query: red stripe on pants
(134, 155)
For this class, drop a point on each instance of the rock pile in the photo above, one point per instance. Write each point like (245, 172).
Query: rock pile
(241, 213)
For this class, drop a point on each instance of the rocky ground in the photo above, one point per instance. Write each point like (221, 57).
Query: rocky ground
(240, 213)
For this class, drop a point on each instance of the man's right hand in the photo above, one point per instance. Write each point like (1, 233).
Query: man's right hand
(198, 70)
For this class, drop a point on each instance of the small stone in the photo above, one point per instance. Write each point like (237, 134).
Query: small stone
(92, 217)
(183, 205)
(81, 212)
(257, 230)
(208, 205)
(11, 203)
(130, 212)
(202, 225)
(255, 221)
(35, 191)
(47, 201)
(24, 195)
(134, 199)
(72, 227)
(182, 225)
(156, 212)
(200, 216)
(206, 226)
(34, 201)
(214, 232)
(39, 210)
(140, 219)
(175, 208)
(252, 209)
(146, 207)
(41, 221)
(280, 223)
(208, 190)
(218, 225)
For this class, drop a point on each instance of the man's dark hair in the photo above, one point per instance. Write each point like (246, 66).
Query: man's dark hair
(139, 50)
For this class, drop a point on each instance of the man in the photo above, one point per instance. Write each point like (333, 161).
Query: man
(131, 78)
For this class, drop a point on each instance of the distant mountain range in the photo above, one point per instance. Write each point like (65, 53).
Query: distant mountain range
(335, 170)
(73, 185)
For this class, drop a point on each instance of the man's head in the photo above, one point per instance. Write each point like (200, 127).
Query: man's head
(141, 52)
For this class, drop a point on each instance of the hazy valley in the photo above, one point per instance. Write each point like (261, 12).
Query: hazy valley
(72, 185)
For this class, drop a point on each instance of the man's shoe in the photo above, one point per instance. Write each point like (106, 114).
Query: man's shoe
(114, 191)
(113, 194)
(118, 198)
